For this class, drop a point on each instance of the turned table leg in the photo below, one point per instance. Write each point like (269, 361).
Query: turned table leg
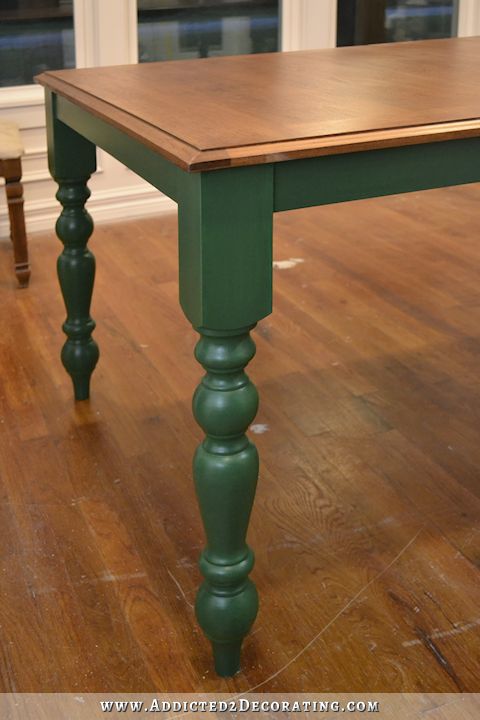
(72, 160)
(225, 472)
(76, 273)
(225, 235)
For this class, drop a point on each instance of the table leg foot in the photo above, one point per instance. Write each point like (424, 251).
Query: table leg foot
(81, 383)
(226, 657)
(76, 273)
(225, 472)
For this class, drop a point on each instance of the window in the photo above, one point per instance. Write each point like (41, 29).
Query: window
(172, 29)
(35, 35)
(361, 22)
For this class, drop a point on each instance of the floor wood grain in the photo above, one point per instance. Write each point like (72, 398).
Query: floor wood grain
(366, 525)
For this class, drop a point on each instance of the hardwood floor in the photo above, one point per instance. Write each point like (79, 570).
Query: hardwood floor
(366, 525)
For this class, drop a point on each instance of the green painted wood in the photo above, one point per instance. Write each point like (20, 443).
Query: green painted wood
(225, 235)
(72, 160)
(225, 246)
(225, 470)
(63, 158)
(373, 173)
(151, 166)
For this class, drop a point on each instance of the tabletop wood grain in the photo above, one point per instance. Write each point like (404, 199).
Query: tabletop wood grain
(251, 109)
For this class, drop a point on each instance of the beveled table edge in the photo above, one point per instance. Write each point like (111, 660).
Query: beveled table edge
(192, 159)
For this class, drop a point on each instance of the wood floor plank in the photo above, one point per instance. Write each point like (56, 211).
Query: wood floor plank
(366, 522)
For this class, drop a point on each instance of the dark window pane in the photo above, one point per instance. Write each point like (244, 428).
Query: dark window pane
(361, 22)
(173, 29)
(35, 35)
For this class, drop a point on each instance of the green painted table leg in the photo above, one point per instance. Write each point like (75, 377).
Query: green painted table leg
(72, 160)
(76, 273)
(225, 472)
(225, 233)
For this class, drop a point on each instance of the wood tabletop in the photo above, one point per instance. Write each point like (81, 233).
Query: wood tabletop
(251, 109)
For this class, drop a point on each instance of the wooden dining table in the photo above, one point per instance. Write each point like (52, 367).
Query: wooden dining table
(232, 140)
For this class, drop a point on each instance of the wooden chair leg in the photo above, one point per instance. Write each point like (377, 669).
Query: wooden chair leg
(14, 189)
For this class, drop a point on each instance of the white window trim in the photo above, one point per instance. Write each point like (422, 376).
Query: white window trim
(95, 43)
(20, 96)
(308, 24)
(469, 18)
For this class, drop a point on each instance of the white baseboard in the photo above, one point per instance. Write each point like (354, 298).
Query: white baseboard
(104, 206)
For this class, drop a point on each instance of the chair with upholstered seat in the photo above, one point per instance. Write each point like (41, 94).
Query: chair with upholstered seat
(11, 150)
